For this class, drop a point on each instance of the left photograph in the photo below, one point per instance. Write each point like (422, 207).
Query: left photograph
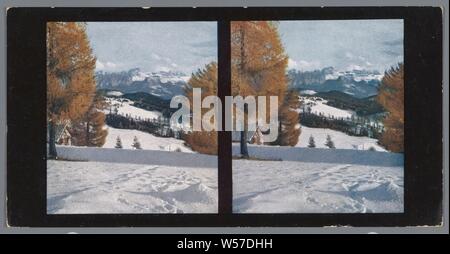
(111, 144)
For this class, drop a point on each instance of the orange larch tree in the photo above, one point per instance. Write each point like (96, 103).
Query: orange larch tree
(70, 75)
(258, 64)
(90, 129)
(289, 123)
(206, 79)
(391, 97)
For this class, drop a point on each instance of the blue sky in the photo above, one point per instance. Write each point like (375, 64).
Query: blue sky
(153, 46)
(343, 44)
(187, 46)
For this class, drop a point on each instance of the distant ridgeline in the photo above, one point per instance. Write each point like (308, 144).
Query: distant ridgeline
(358, 83)
(367, 120)
(354, 90)
(357, 126)
(161, 84)
(143, 100)
(362, 106)
(350, 90)
(159, 127)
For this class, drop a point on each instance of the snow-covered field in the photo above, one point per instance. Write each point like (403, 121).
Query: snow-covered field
(319, 180)
(319, 107)
(322, 155)
(102, 187)
(340, 139)
(308, 92)
(114, 93)
(306, 181)
(299, 187)
(157, 179)
(125, 107)
(146, 157)
(147, 141)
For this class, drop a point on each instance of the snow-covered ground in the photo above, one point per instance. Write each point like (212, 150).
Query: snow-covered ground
(102, 187)
(322, 155)
(340, 139)
(299, 187)
(356, 73)
(319, 107)
(308, 92)
(91, 180)
(147, 140)
(146, 157)
(163, 76)
(319, 180)
(114, 93)
(156, 179)
(125, 107)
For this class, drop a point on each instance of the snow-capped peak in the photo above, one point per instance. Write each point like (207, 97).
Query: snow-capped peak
(163, 76)
(355, 74)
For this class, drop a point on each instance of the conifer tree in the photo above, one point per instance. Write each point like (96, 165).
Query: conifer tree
(118, 143)
(329, 142)
(289, 123)
(202, 141)
(136, 144)
(70, 75)
(258, 64)
(206, 79)
(391, 97)
(311, 142)
(90, 129)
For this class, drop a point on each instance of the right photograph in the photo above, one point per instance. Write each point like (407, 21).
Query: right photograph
(339, 139)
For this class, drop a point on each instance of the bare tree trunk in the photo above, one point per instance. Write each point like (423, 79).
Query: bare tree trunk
(244, 149)
(244, 133)
(244, 136)
(87, 134)
(52, 154)
(279, 141)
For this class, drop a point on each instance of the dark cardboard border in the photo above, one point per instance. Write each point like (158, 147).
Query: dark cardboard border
(26, 152)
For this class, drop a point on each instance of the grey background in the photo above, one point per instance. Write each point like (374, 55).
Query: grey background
(4, 4)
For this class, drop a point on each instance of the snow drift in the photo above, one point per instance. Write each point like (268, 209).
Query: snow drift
(302, 187)
(148, 141)
(343, 156)
(276, 180)
(150, 157)
(103, 187)
(341, 140)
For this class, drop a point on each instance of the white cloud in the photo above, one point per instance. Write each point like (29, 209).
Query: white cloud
(99, 65)
(162, 68)
(352, 67)
(111, 65)
(147, 45)
(348, 55)
(156, 56)
(303, 65)
(107, 66)
(292, 64)
(339, 43)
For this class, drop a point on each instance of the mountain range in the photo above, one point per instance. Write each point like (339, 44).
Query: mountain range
(166, 84)
(357, 83)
